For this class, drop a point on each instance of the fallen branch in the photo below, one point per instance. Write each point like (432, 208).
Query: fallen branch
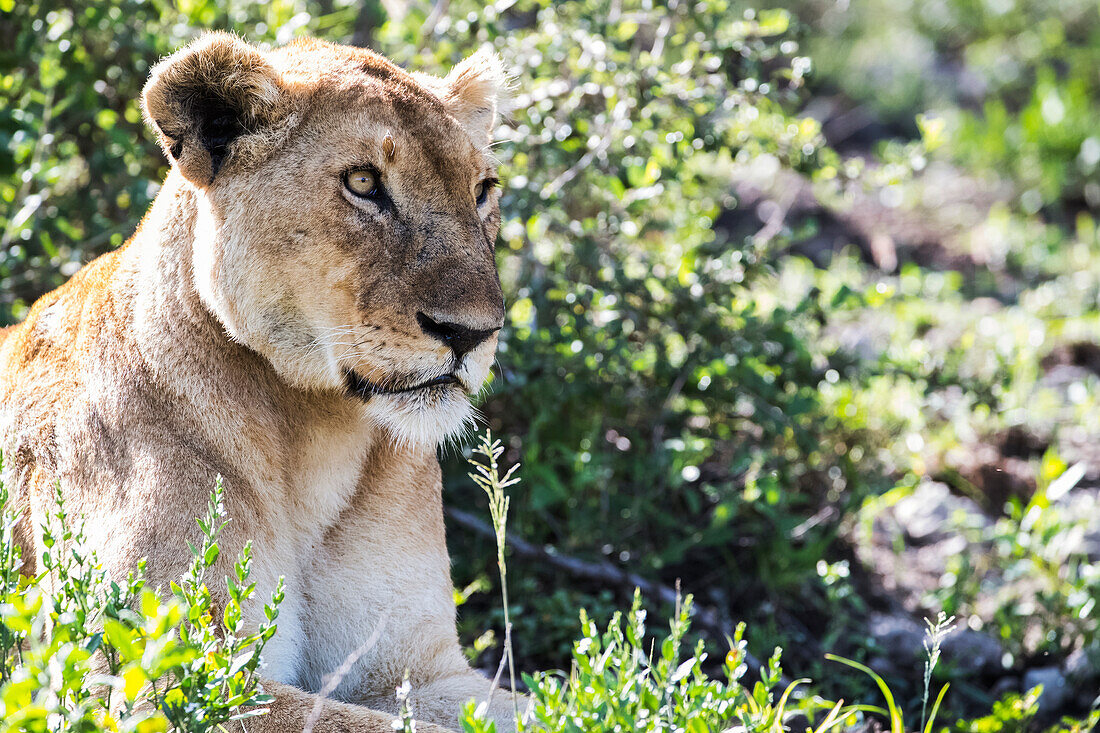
(702, 617)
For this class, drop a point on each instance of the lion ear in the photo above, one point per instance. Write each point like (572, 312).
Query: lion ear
(214, 100)
(476, 92)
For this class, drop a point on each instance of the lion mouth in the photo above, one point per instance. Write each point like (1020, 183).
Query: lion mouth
(364, 389)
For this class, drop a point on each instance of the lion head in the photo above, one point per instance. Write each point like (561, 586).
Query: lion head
(346, 217)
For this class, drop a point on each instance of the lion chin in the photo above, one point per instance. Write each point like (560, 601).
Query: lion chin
(416, 412)
(425, 418)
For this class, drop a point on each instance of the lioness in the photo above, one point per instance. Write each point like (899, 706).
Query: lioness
(303, 311)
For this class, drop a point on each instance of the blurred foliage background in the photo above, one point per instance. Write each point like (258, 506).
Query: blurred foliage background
(804, 306)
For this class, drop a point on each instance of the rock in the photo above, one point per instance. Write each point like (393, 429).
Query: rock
(1082, 666)
(1090, 545)
(1056, 691)
(1019, 441)
(1084, 354)
(926, 515)
(973, 651)
(900, 638)
(1004, 686)
(1082, 672)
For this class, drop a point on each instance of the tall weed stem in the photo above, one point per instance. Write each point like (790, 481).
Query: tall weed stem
(487, 475)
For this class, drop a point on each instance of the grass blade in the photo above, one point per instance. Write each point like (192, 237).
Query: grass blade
(935, 708)
(897, 724)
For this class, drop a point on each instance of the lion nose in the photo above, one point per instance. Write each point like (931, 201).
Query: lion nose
(460, 338)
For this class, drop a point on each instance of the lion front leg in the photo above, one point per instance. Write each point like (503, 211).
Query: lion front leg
(296, 711)
(442, 701)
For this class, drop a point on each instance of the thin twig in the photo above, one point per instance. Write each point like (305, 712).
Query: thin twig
(658, 49)
(428, 28)
(619, 115)
(36, 158)
(500, 667)
(673, 393)
(774, 225)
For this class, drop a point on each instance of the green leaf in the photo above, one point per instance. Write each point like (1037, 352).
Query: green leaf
(774, 22)
(897, 725)
(935, 709)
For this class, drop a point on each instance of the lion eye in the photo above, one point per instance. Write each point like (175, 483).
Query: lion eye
(362, 182)
(481, 190)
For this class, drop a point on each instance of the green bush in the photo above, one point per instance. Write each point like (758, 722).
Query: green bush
(1015, 79)
(80, 651)
(625, 293)
(83, 653)
(622, 680)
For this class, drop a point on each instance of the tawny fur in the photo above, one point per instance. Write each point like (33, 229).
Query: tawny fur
(214, 343)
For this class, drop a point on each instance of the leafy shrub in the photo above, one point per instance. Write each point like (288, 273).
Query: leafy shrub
(80, 651)
(1047, 586)
(618, 683)
(623, 289)
(1016, 80)
(626, 293)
